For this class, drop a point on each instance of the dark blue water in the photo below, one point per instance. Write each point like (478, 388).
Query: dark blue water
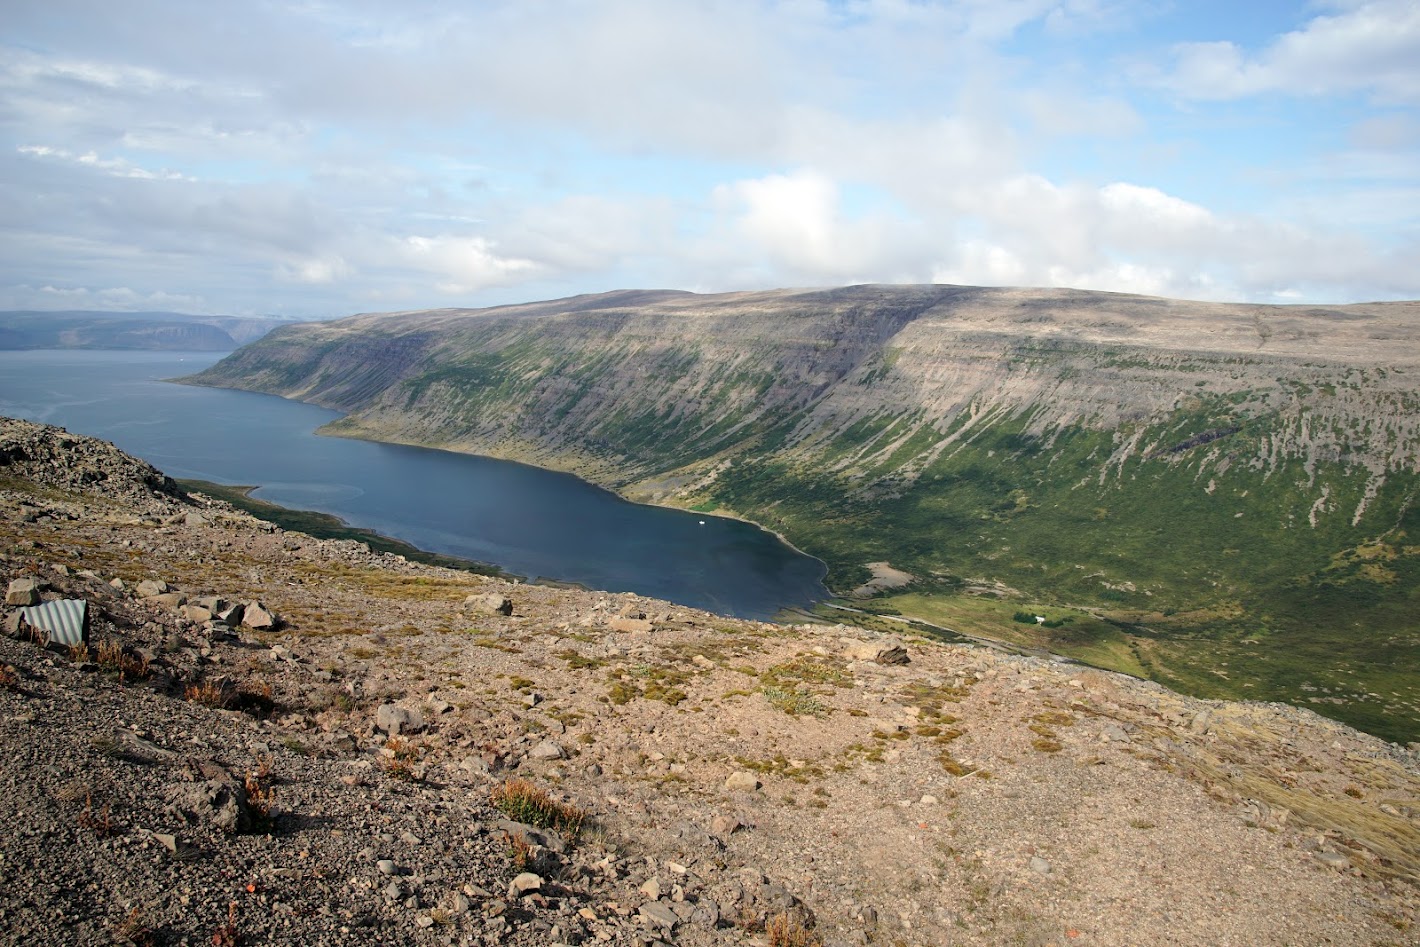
(529, 521)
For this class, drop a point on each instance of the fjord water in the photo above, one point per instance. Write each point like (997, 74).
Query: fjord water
(529, 521)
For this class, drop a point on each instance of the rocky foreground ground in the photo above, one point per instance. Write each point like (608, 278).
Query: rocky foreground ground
(404, 755)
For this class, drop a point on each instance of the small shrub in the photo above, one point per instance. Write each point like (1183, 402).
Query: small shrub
(254, 698)
(113, 658)
(208, 694)
(101, 822)
(521, 801)
(400, 759)
(577, 661)
(227, 934)
(133, 930)
(793, 701)
(520, 851)
(787, 930)
(955, 767)
(806, 669)
(261, 798)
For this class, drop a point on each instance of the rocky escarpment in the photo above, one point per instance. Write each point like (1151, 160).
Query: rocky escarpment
(42, 454)
(652, 382)
(1220, 497)
(346, 777)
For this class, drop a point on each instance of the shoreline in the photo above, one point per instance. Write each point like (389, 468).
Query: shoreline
(328, 526)
(360, 434)
(356, 435)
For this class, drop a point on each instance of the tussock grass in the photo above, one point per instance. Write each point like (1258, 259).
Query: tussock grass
(787, 930)
(796, 702)
(522, 801)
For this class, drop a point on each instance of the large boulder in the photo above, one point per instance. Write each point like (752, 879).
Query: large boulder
(219, 802)
(22, 591)
(394, 719)
(259, 618)
(490, 603)
(878, 651)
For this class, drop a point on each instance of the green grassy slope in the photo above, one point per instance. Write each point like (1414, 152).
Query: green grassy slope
(1184, 496)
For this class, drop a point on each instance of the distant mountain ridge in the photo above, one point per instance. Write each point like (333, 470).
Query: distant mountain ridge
(1219, 496)
(100, 329)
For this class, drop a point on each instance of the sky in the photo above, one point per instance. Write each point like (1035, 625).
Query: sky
(315, 159)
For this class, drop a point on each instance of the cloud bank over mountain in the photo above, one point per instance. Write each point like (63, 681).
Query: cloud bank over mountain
(318, 158)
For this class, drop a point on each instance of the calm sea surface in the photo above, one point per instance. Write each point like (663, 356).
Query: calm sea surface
(528, 521)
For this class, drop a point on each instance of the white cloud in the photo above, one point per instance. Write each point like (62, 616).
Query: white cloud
(796, 224)
(115, 167)
(324, 153)
(22, 296)
(460, 264)
(1369, 47)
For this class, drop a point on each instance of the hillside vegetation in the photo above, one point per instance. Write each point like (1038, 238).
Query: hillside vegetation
(1218, 497)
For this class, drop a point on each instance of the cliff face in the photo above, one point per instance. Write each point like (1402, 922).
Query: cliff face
(653, 382)
(1185, 470)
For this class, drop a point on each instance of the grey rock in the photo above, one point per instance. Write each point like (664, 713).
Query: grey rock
(259, 618)
(396, 720)
(1114, 733)
(386, 866)
(1039, 865)
(22, 591)
(742, 781)
(231, 615)
(525, 883)
(879, 651)
(167, 600)
(1334, 859)
(548, 750)
(660, 914)
(220, 802)
(706, 914)
(150, 587)
(490, 603)
(15, 625)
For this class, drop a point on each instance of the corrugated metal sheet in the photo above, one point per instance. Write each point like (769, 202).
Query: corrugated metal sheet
(65, 621)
